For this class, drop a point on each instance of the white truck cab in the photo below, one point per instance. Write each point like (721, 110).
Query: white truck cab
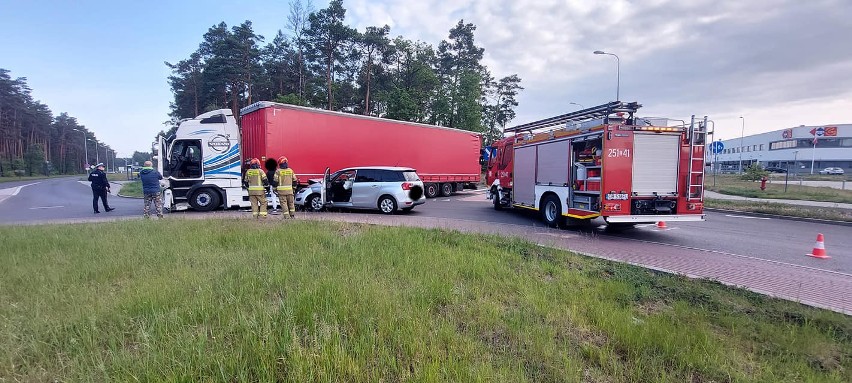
(202, 164)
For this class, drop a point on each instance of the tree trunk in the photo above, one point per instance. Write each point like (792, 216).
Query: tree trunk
(367, 98)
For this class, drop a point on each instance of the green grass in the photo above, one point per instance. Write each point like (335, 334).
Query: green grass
(241, 300)
(132, 189)
(732, 185)
(781, 209)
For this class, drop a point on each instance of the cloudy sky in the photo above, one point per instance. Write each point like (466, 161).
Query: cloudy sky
(778, 63)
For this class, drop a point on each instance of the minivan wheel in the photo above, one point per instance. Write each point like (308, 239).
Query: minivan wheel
(314, 203)
(387, 205)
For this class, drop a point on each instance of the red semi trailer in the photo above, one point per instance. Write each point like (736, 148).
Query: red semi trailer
(203, 163)
(446, 159)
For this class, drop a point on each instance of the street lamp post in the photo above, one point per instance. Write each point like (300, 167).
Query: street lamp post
(85, 148)
(617, 72)
(742, 134)
(787, 174)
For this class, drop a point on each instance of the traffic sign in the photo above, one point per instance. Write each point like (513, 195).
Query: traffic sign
(717, 147)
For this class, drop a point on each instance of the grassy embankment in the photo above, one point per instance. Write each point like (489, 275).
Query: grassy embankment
(239, 300)
(132, 189)
(775, 190)
(732, 185)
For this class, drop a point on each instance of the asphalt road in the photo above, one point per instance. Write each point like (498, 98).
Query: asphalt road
(58, 199)
(778, 240)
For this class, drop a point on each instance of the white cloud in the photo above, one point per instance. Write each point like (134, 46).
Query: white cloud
(778, 61)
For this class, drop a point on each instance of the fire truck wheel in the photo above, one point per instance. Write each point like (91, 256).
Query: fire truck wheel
(447, 190)
(431, 190)
(551, 211)
(496, 199)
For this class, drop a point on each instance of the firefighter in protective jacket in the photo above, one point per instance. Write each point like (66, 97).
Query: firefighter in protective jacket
(255, 181)
(284, 180)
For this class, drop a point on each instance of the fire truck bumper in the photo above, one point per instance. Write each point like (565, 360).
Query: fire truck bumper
(654, 218)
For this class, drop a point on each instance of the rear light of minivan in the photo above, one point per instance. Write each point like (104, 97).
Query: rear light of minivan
(407, 185)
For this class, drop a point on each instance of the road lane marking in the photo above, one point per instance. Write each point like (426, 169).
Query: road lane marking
(744, 216)
(11, 192)
(45, 207)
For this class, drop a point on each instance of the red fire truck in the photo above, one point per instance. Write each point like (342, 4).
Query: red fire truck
(604, 162)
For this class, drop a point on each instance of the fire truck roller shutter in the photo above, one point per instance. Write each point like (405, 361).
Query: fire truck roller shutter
(553, 163)
(655, 162)
(524, 175)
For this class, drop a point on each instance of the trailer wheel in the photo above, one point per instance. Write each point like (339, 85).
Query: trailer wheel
(459, 186)
(432, 190)
(551, 211)
(447, 189)
(387, 205)
(313, 203)
(204, 199)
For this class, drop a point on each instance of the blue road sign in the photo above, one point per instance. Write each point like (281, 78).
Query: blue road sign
(717, 147)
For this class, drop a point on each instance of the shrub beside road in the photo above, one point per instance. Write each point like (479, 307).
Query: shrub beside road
(316, 301)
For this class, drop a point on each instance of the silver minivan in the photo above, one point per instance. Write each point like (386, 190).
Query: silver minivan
(384, 188)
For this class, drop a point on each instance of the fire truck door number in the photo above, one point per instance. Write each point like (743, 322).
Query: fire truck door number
(613, 153)
(616, 196)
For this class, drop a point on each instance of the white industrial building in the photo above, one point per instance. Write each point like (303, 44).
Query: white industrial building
(791, 148)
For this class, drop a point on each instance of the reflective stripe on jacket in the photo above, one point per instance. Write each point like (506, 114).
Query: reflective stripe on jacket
(255, 179)
(285, 178)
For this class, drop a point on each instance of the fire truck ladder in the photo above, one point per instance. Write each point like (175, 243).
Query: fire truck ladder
(695, 180)
(596, 112)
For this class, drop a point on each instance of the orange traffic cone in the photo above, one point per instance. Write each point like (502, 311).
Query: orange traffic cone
(819, 248)
(661, 225)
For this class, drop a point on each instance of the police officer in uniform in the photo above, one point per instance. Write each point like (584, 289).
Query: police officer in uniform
(284, 180)
(255, 181)
(100, 188)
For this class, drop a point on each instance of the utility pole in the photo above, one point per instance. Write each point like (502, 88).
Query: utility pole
(742, 134)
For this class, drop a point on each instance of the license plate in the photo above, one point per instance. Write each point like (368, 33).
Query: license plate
(616, 196)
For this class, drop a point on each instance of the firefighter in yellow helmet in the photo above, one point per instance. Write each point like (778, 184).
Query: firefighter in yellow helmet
(254, 181)
(284, 180)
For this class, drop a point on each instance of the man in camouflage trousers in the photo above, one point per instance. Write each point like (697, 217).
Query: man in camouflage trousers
(151, 189)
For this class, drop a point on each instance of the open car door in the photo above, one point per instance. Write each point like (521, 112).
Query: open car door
(160, 156)
(325, 186)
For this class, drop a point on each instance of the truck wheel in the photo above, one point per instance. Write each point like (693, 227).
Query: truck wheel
(459, 186)
(447, 190)
(387, 205)
(204, 199)
(498, 205)
(551, 211)
(313, 203)
(431, 190)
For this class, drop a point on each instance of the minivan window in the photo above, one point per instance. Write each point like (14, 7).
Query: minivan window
(411, 176)
(368, 175)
